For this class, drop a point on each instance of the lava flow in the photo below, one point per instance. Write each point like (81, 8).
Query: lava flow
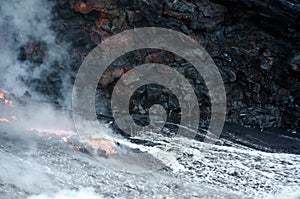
(107, 147)
(4, 120)
(6, 103)
(64, 135)
(104, 147)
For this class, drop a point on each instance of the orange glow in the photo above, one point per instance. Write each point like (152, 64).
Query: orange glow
(100, 23)
(126, 68)
(77, 147)
(107, 146)
(63, 134)
(66, 139)
(103, 144)
(9, 102)
(4, 120)
(82, 8)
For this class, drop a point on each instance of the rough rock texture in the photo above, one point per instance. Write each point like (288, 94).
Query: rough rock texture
(255, 44)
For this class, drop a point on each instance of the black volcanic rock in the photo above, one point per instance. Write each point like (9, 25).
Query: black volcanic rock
(255, 44)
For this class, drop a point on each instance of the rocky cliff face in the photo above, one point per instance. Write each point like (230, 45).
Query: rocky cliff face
(255, 44)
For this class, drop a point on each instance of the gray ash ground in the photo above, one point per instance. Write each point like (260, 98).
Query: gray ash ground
(33, 166)
(255, 44)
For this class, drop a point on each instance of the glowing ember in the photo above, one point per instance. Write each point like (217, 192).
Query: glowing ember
(63, 134)
(9, 102)
(108, 146)
(77, 147)
(100, 23)
(4, 120)
(66, 139)
(82, 8)
(6, 101)
(103, 145)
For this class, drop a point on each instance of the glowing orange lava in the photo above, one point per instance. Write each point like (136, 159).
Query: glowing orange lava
(82, 7)
(4, 120)
(9, 102)
(108, 146)
(6, 101)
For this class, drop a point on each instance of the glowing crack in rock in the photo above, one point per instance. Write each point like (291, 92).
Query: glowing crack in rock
(4, 120)
(107, 147)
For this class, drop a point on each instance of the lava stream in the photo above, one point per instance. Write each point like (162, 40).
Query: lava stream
(103, 145)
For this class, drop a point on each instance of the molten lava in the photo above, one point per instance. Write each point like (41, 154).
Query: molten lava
(4, 120)
(9, 102)
(60, 133)
(104, 145)
(82, 7)
(107, 146)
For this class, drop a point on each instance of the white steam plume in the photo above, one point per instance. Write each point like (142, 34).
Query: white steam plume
(24, 21)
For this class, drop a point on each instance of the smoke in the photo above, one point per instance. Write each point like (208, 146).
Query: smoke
(286, 193)
(24, 174)
(29, 52)
(34, 66)
(29, 56)
(69, 194)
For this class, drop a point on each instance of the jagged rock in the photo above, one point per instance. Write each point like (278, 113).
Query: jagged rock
(210, 15)
(281, 10)
(295, 63)
(34, 52)
(255, 44)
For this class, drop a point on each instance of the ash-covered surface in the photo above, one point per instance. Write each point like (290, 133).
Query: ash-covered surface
(255, 44)
(51, 168)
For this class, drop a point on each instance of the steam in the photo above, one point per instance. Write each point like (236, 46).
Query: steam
(28, 22)
(286, 193)
(69, 194)
(21, 23)
(27, 175)
(30, 55)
